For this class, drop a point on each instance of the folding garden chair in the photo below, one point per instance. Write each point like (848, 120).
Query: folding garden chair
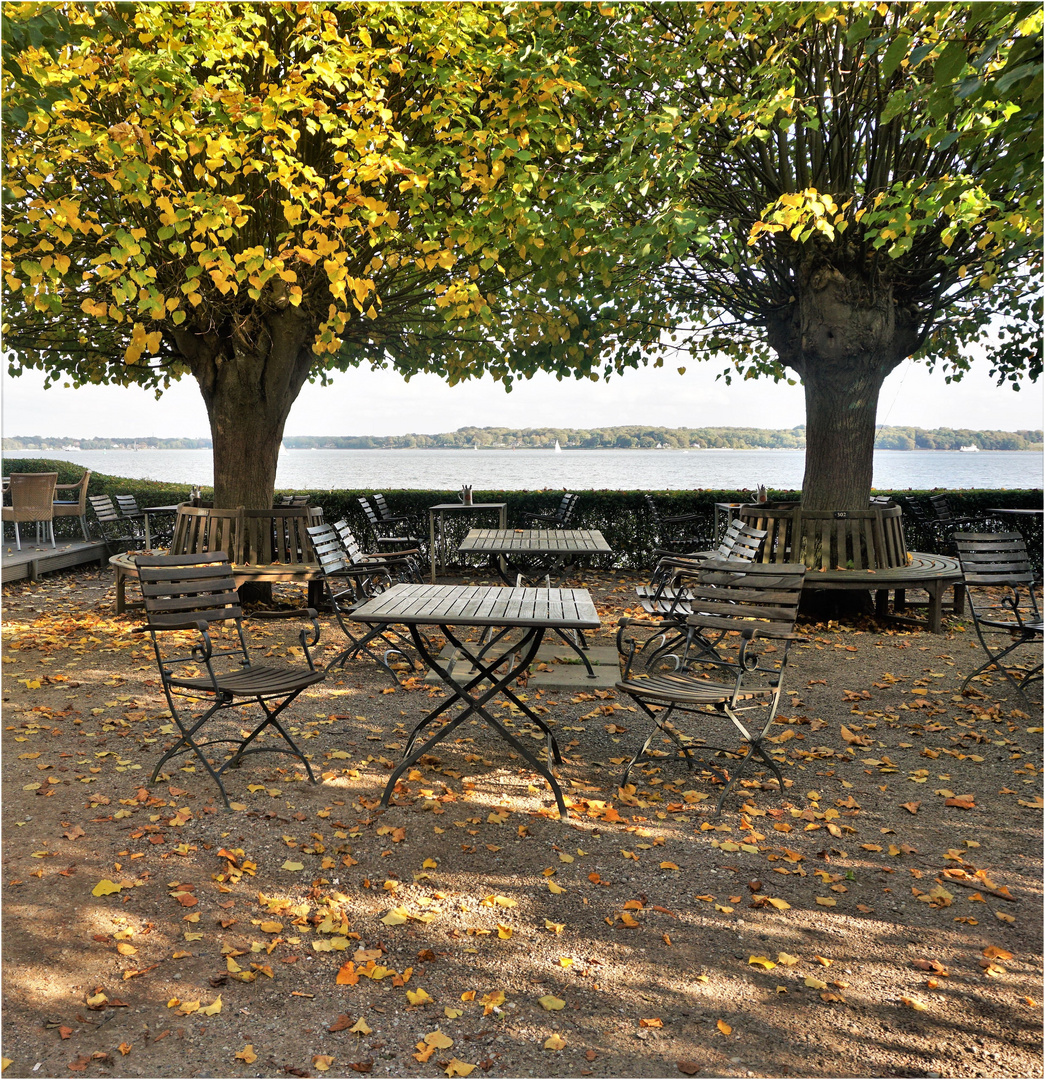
(380, 530)
(348, 586)
(401, 565)
(679, 532)
(114, 529)
(999, 582)
(211, 681)
(560, 518)
(727, 681)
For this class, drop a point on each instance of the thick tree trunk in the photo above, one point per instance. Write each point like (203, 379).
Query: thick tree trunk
(250, 375)
(842, 336)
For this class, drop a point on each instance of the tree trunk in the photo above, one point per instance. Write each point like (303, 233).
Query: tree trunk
(842, 336)
(250, 374)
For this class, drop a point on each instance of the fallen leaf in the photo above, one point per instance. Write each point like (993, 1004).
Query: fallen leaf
(341, 1023)
(458, 1068)
(690, 1068)
(361, 1027)
(915, 1003)
(724, 1027)
(247, 1054)
(550, 1002)
(322, 1061)
(656, 1022)
(105, 887)
(418, 996)
(554, 1042)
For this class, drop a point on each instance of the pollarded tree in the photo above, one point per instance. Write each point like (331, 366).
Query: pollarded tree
(835, 187)
(257, 194)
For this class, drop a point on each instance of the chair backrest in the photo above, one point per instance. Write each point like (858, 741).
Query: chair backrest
(32, 496)
(741, 541)
(917, 512)
(371, 514)
(348, 541)
(128, 505)
(327, 545)
(182, 590)
(653, 511)
(941, 508)
(993, 558)
(104, 509)
(382, 506)
(766, 594)
(292, 500)
(566, 508)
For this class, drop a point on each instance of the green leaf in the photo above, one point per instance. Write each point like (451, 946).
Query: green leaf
(894, 54)
(950, 64)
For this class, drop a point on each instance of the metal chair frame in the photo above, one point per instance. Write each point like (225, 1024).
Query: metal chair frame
(759, 601)
(1000, 586)
(401, 565)
(195, 592)
(350, 585)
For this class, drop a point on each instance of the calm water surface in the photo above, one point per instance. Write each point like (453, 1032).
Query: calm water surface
(528, 469)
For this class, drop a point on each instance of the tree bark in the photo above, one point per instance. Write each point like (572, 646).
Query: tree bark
(843, 336)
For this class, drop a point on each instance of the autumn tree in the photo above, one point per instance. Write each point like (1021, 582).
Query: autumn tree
(259, 194)
(831, 188)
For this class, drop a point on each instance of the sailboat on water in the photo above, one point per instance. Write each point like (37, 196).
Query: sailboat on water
(558, 448)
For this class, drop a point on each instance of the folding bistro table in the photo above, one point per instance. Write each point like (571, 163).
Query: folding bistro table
(530, 555)
(514, 622)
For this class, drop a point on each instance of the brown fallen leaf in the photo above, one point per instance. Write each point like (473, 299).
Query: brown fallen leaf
(912, 807)
(342, 1022)
(690, 1068)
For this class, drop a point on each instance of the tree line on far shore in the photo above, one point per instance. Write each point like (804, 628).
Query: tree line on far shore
(624, 437)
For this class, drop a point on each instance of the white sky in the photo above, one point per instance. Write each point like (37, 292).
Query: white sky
(363, 402)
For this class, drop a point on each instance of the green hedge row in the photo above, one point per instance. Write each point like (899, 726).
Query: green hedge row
(622, 516)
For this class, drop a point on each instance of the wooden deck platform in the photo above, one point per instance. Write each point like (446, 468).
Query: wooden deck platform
(36, 559)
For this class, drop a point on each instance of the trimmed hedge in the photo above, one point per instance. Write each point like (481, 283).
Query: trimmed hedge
(622, 516)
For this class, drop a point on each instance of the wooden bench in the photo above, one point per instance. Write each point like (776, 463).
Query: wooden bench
(264, 545)
(857, 549)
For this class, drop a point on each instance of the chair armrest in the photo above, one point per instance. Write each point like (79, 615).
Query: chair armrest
(309, 613)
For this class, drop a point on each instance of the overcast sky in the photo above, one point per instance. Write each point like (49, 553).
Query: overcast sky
(363, 402)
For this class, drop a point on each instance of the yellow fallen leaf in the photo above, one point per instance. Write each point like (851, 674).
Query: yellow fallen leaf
(724, 1027)
(550, 1002)
(213, 1008)
(915, 1003)
(762, 961)
(271, 927)
(124, 949)
(826, 901)
(780, 905)
(554, 1042)
(438, 1040)
(458, 1068)
(563, 857)
(291, 865)
(504, 932)
(418, 996)
(429, 864)
(247, 1054)
(452, 1013)
(186, 1008)
(552, 887)
(322, 1061)
(105, 887)
(668, 866)
(815, 984)
(786, 959)
(231, 964)
(361, 1027)
(468, 995)
(396, 917)
(554, 927)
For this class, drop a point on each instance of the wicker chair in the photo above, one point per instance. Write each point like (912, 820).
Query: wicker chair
(32, 499)
(75, 506)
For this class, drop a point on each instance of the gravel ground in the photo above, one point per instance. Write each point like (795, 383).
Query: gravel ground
(880, 917)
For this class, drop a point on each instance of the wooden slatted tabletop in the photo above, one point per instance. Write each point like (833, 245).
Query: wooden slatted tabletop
(534, 542)
(481, 605)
